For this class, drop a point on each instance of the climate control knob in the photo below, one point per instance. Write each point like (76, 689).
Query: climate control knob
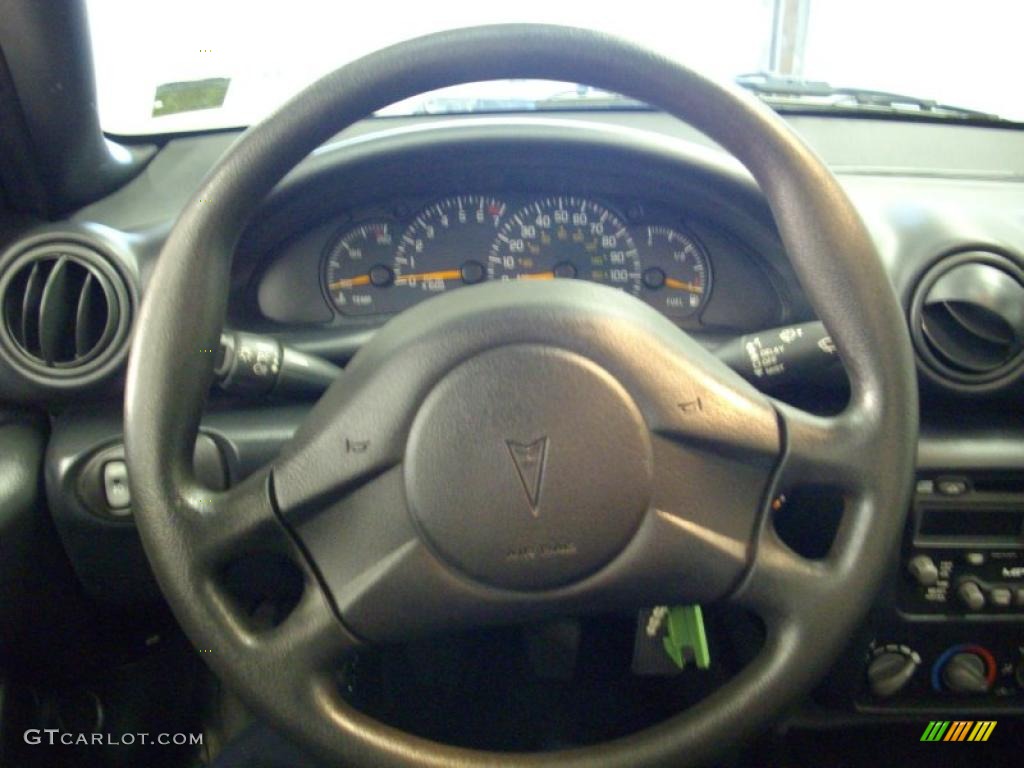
(965, 673)
(891, 669)
(968, 669)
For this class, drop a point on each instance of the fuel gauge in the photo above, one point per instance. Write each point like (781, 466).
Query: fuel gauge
(676, 277)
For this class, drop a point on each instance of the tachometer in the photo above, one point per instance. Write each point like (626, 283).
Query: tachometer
(357, 270)
(566, 237)
(446, 245)
(676, 275)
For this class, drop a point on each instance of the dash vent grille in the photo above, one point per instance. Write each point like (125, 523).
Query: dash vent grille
(64, 310)
(967, 321)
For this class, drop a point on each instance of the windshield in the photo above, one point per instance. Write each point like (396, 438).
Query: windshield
(188, 65)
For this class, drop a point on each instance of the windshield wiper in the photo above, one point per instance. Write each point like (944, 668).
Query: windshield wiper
(782, 90)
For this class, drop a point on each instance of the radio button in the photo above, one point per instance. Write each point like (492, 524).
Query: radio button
(1001, 597)
(971, 595)
(975, 558)
(922, 568)
(951, 486)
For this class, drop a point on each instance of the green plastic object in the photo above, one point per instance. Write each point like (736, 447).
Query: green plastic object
(685, 638)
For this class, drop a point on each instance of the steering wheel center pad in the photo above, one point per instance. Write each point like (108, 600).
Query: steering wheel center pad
(528, 467)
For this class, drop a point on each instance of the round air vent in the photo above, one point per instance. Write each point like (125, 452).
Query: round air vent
(967, 321)
(65, 312)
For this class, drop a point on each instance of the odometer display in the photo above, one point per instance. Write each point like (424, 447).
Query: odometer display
(566, 237)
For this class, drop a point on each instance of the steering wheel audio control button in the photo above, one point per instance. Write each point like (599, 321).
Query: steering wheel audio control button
(514, 482)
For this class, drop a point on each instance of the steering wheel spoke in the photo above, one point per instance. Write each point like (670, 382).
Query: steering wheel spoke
(347, 440)
(310, 639)
(301, 653)
(226, 524)
(831, 451)
(404, 590)
(780, 583)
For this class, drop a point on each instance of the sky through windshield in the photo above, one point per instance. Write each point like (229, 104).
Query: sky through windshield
(197, 64)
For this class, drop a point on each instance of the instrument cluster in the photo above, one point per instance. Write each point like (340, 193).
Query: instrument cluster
(380, 267)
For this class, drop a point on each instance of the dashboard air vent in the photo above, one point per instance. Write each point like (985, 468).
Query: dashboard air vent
(65, 310)
(967, 321)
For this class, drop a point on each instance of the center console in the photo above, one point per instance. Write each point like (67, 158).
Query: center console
(949, 632)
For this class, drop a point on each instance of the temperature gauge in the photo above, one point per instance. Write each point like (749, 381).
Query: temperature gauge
(357, 270)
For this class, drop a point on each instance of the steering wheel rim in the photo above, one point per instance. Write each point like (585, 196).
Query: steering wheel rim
(867, 452)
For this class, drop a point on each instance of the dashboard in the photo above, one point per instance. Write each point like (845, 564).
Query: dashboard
(396, 212)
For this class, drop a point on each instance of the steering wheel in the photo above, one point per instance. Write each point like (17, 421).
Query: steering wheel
(521, 450)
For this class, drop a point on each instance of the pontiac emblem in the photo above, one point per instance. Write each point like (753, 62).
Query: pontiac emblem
(529, 461)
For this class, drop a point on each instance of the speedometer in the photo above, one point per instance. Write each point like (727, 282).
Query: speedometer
(566, 237)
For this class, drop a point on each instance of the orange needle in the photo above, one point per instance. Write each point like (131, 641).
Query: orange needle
(444, 274)
(537, 276)
(681, 285)
(350, 282)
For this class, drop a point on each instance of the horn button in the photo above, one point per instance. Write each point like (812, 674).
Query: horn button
(528, 467)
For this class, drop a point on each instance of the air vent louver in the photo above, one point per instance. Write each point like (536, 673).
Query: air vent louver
(967, 321)
(64, 310)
